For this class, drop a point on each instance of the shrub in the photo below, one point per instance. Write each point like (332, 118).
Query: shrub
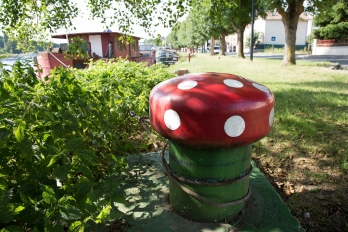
(61, 141)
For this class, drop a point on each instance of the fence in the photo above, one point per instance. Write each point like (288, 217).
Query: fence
(330, 47)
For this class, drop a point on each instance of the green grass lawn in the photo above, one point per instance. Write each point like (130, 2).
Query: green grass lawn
(305, 155)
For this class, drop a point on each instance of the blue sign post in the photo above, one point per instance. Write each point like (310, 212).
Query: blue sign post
(273, 38)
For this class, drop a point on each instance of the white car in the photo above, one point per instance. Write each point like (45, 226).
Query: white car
(216, 49)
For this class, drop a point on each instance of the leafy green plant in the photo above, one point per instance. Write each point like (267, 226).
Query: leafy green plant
(256, 38)
(345, 163)
(77, 48)
(62, 141)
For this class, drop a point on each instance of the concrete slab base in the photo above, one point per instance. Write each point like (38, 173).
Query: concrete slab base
(147, 207)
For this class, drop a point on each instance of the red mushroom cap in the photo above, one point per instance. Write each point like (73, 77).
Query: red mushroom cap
(211, 110)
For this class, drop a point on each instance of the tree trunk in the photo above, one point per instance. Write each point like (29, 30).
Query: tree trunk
(290, 18)
(240, 43)
(223, 45)
(212, 45)
(290, 25)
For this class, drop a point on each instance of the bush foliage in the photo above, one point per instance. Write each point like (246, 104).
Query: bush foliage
(61, 141)
(332, 22)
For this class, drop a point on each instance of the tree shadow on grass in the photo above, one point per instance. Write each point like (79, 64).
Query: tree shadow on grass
(303, 155)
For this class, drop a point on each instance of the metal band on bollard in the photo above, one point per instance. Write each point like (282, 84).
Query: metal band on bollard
(209, 183)
(196, 195)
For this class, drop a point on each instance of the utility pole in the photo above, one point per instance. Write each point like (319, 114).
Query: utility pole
(310, 38)
(252, 30)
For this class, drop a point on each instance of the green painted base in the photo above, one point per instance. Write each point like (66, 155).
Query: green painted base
(208, 165)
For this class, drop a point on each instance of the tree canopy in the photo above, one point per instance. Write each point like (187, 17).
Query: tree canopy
(219, 18)
(333, 22)
(27, 20)
(10, 46)
(196, 29)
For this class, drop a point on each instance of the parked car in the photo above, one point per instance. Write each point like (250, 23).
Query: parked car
(216, 49)
(166, 57)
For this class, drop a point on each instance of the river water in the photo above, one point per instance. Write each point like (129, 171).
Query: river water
(10, 61)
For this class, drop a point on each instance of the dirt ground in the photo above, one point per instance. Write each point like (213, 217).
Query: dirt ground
(315, 190)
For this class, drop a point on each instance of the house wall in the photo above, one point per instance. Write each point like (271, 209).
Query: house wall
(105, 38)
(231, 42)
(259, 26)
(275, 27)
(301, 34)
(120, 51)
(329, 50)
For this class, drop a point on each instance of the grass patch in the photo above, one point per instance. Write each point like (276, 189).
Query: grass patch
(6, 55)
(281, 51)
(307, 148)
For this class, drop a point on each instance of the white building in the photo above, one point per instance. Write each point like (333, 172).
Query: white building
(272, 32)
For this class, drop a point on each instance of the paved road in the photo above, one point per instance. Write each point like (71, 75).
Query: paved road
(343, 60)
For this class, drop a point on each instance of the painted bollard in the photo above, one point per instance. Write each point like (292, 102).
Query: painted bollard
(210, 120)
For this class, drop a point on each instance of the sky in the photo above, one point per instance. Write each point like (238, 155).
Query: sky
(85, 25)
(82, 24)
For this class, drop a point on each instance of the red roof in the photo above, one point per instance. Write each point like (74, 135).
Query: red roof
(63, 36)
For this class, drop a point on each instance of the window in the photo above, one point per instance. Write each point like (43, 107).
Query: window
(135, 46)
(121, 45)
(118, 44)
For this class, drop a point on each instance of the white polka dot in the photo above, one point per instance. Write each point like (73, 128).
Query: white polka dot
(172, 119)
(234, 126)
(271, 117)
(261, 87)
(233, 83)
(187, 85)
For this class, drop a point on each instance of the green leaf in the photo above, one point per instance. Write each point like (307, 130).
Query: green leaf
(19, 130)
(9, 211)
(57, 227)
(84, 186)
(5, 115)
(103, 214)
(3, 133)
(74, 144)
(77, 226)
(69, 212)
(47, 139)
(53, 160)
(86, 156)
(48, 195)
(61, 173)
(12, 229)
(65, 199)
(8, 85)
(25, 199)
(19, 209)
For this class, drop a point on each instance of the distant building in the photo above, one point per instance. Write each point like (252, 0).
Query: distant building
(271, 31)
(99, 45)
